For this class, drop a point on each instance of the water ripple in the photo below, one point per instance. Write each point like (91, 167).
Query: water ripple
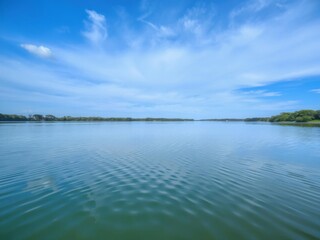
(159, 181)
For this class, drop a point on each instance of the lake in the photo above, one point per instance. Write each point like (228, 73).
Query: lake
(159, 180)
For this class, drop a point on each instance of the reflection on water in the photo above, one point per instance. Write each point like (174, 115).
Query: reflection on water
(134, 180)
(44, 183)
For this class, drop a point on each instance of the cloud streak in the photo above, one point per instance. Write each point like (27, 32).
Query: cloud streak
(316, 90)
(40, 51)
(96, 28)
(186, 67)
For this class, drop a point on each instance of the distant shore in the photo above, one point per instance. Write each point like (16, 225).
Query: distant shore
(302, 117)
(304, 124)
(52, 118)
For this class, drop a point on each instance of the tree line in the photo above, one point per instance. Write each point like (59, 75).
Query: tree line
(298, 116)
(47, 118)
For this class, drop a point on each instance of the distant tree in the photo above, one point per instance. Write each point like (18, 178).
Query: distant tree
(37, 117)
(12, 117)
(49, 118)
(298, 116)
(304, 119)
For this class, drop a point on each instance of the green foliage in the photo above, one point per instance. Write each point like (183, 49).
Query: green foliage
(50, 118)
(298, 116)
(257, 119)
(12, 117)
(39, 117)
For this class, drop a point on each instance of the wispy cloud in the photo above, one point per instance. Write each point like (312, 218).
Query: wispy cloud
(160, 30)
(317, 90)
(40, 51)
(252, 7)
(96, 28)
(185, 67)
(262, 93)
(246, 56)
(197, 20)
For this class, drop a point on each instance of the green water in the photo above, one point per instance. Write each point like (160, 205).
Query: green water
(172, 180)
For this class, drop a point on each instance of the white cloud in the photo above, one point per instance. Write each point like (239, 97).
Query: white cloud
(96, 31)
(143, 20)
(166, 31)
(209, 76)
(252, 6)
(179, 76)
(317, 90)
(161, 31)
(40, 51)
(262, 93)
(197, 20)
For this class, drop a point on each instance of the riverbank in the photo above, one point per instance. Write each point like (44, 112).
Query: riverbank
(302, 124)
(298, 118)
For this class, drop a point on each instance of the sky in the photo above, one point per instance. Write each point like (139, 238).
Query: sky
(188, 59)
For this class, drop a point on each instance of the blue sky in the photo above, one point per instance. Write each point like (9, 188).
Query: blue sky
(198, 59)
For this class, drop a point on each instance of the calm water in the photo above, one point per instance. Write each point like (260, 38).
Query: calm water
(176, 180)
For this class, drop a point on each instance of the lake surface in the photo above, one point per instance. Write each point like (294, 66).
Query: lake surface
(159, 180)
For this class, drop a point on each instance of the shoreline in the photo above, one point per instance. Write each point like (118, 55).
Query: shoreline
(316, 123)
(300, 124)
